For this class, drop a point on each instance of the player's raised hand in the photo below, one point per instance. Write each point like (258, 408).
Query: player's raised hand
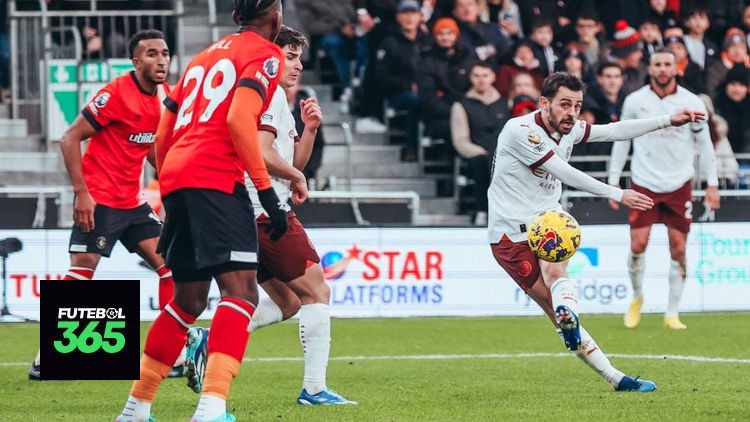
(312, 114)
(687, 116)
(636, 200)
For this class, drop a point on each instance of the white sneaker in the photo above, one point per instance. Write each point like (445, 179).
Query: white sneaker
(480, 219)
(345, 99)
(369, 125)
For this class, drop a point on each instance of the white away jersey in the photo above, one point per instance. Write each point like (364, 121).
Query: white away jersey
(663, 160)
(279, 120)
(520, 187)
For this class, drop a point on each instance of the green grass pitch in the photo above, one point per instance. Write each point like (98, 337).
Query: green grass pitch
(436, 369)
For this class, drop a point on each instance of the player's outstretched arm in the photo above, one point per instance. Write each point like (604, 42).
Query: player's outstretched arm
(687, 116)
(633, 128)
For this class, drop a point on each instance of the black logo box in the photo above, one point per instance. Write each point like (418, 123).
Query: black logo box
(99, 365)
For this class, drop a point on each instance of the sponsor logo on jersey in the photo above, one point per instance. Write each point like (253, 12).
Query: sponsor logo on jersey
(271, 67)
(534, 138)
(259, 76)
(266, 118)
(142, 138)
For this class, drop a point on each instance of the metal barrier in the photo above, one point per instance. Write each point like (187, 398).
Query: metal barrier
(40, 35)
(354, 196)
(63, 194)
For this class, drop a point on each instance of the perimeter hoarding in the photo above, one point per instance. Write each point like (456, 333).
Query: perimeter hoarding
(400, 272)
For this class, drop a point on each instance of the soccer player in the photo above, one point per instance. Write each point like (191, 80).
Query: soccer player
(121, 122)
(530, 164)
(289, 269)
(662, 167)
(206, 141)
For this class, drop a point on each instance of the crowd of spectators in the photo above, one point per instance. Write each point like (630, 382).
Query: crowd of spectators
(421, 55)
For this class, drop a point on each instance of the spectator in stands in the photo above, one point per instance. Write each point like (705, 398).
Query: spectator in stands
(506, 14)
(588, 29)
(397, 70)
(659, 13)
(689, 74)
(726, 164)
(485, 39)
(445, 68)
(377, 18)
(560, 12)
(542, 41)
(573, 61)
(602, 104)
(734, 51)
(733, 104)
(524, 84)
(523, 60)
(605, 96)
(4, 55)
(651, 37)
(627, 52)
(332, 25)
(476, 120)
(703, 51)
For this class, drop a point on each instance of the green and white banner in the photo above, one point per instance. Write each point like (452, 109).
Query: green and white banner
(71, 84)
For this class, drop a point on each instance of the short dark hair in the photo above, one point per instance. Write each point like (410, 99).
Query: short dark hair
(292, 37)
(481, 63)
(143, 34)
(605, 65)
(553, 82)
(248, 10)
(661, 50)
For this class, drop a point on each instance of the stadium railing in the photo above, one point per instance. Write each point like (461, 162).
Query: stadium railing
(40, 35)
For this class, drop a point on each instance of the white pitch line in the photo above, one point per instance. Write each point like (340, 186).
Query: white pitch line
(482, 356)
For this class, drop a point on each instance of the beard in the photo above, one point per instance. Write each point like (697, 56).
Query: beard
(557, 125)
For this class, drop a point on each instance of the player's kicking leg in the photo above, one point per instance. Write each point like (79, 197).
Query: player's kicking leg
(560, 304)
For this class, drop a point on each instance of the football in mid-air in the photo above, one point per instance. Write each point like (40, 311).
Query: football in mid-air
(554, 235)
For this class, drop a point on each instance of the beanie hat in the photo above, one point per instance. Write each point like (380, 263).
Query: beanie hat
(738, 73)
(445, 23)
(733, 35)
(626, 39)
(408, 6)
(522, 102)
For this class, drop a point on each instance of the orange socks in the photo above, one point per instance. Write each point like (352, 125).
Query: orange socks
(226, 344)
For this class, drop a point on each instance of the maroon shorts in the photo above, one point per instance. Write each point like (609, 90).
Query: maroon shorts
(518, 261)
(674, 209)
(288, 257)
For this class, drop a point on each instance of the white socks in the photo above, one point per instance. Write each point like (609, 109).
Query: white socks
(135, 410)
(266, 313)
(595, 358)
(636, 266)
(210, 407)
(564, 293)
(315, 336)
(37, 359)
(676, 286)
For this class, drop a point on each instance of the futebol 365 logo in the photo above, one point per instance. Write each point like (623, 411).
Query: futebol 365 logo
(90, 329)
(88, 337)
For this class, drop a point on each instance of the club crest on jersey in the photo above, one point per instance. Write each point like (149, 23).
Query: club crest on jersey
(271, 67)
(534, 138)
